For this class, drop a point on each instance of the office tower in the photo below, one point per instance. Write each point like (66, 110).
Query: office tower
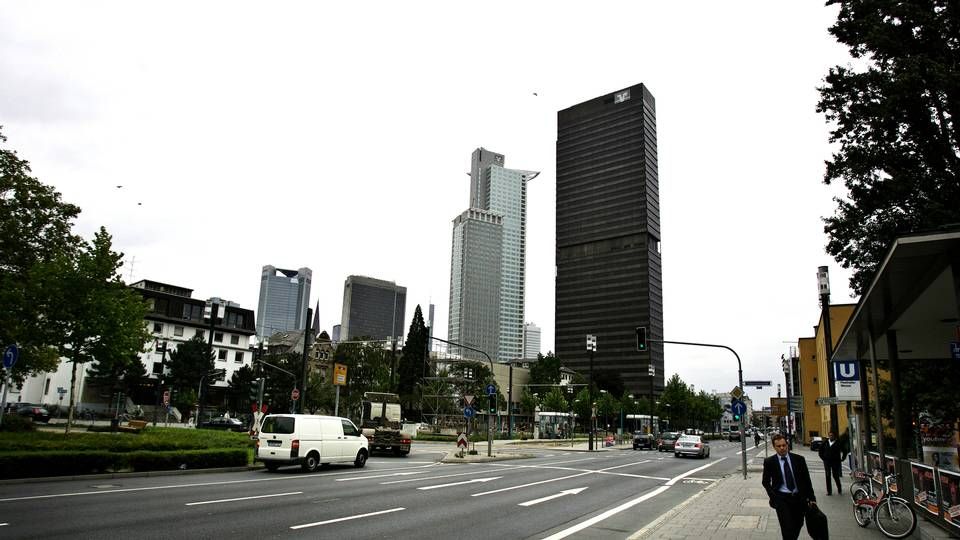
(430, 328)
(335, 333)
(503, 192)
(372, 308)
(531, 340)
(474, 315)
(608, 236)
(284, 299)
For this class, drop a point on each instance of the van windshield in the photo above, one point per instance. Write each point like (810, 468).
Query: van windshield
(282, 425)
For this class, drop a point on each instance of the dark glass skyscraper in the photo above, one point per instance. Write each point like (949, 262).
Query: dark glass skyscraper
(608, 237)
(372, 308)
(284, 299)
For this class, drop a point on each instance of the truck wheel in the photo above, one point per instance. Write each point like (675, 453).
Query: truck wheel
(272, 467)
(361, 459)
(311, 463)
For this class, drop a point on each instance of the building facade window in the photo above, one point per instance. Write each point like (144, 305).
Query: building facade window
(198, 334)
(238, 357)
(222, 355)
(46, 387)
(234, 340)
(218, 337)
(157, 327)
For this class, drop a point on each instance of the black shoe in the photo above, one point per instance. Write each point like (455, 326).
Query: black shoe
(829, 494)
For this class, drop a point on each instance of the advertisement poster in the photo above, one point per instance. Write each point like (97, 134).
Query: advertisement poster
(925, 488)
(939, 440)
(950, 503)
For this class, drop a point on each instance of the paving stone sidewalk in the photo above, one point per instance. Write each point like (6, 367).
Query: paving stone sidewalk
(738, 508)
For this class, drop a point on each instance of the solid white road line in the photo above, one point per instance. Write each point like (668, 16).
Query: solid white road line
(474, 481)
(379, 476)
(629, 504)
(551, 497)
(245, 498)
(348, 518)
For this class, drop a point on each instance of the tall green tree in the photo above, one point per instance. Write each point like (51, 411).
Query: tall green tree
(894, 120)
(35, 228)
(239, 388)
(414, 363)
(85, 302)
(188, 363)
(546, 370)
(555, 401)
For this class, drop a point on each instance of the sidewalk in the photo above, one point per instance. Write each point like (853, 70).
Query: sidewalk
(736, 508)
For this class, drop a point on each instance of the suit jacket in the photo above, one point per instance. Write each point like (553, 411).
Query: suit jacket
(773, 478)
(832, 453)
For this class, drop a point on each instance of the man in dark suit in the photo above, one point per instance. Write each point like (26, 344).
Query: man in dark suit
(832, 454)
(787, 481)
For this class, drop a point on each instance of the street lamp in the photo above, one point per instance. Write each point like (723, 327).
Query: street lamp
(592, 348)
(162, 348)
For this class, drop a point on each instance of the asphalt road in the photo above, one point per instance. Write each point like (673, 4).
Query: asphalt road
(556, 494)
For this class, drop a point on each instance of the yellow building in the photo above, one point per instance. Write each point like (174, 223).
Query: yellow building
(809, 388)
(839, 315)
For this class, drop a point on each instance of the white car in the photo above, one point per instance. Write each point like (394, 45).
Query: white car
(309, 441)
(691, 445)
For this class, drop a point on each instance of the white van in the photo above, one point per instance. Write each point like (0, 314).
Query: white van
(309, 441)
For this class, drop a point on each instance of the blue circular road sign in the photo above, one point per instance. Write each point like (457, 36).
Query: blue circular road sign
(491, 389)
(10, 356)
(468, 413)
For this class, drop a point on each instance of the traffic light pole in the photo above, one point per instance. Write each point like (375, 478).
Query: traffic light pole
(489, 417)
(743, 440)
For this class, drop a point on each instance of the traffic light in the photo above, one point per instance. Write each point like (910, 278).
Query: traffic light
(642, 338)
(492, 407)
(736, 417)
(254, 390)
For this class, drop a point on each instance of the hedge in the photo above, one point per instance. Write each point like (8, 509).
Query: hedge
(68, 463)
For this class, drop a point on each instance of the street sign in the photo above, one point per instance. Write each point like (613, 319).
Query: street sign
(768, 410)
(295, 395)
(166, 397)
(468, 399)
(779, 406)
(61, 390)
(10, 355)
(738, 407)
(737, 392)
(461, 440)
(955, 350)
(491, 389)
(468, 412)
(339, 374)
(828, 401)
(758, 384)
(591, 342)
(795, 403)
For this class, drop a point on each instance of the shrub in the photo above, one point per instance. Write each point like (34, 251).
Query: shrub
(15, 423)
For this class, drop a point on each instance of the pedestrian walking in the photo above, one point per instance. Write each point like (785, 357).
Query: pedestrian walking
(832, 453)
(756, 438)
(786, 479)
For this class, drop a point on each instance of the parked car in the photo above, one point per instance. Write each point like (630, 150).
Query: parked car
(666, 441)
(733, 435)
(691, 445)
(642, 440)
(37, 413)
(224, 423)
(816, 443)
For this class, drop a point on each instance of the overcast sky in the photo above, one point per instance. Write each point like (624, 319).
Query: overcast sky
(337, 137)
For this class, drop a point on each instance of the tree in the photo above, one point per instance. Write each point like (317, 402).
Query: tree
(895, 121)
(414, 363)
(546, 370)
(188, 363)
(35, 228)
(95, 315)
(555, 401)
(240, 387)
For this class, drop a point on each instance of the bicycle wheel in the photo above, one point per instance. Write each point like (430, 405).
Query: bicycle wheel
(895, 517)
(858, 485)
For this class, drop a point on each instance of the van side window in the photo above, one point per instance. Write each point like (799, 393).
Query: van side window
(349, 428)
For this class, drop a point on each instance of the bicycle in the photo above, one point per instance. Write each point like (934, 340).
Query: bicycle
(860, 481)
(894, 516)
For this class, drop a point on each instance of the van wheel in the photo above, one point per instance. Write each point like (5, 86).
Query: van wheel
(272, 467)
(361, 459)
(312, 462)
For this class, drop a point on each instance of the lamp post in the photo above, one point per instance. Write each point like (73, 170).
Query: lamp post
(652, 372)
(591, 347)
(823, 281)
(162, 347)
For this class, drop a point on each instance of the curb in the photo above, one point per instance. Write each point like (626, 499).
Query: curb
(669, 514)
(109, 476)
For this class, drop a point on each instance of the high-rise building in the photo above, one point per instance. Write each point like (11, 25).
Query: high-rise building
(608, 236)
(284, 300)
(531, 340)
(372, 308)
(499, 191)
(474, 314)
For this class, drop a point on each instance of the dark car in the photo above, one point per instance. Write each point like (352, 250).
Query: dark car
(37, 413)
(666, 442)
(642, 440)
(816, 443)
(734, 435)
(224, 423)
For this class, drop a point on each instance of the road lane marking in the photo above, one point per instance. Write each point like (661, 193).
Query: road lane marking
(244, 498)
(198, 484)
(629, 504)
(475, 480)
(378, 476)
(421, 479)
(551, 497)
(600, 471)
(348, 518)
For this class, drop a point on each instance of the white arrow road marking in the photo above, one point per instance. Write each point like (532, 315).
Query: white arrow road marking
(629, 504)
(561, 494)
(348, 518)
(379, 476)
(429, 478)
(245, 498)
(475, 480)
